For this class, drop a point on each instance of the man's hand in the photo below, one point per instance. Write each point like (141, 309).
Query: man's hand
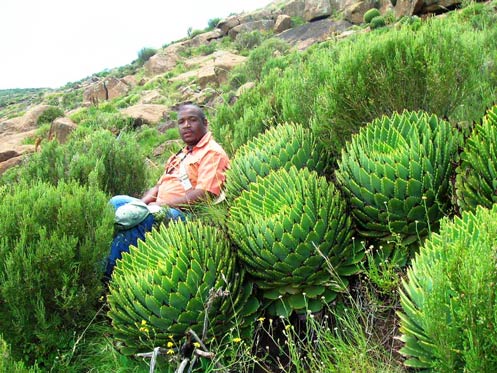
(191, 196)
(151, 195)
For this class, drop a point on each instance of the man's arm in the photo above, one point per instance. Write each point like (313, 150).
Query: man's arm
(191, 196)
(151, 195)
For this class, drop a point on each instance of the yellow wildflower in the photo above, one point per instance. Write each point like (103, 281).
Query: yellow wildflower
(170, 352)
(196, 344)
(170, 344)
(261, 319)
(237, 340)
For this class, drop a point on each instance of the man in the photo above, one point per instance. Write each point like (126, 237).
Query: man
(192, 175)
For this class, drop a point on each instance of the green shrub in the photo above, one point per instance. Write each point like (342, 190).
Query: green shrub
(182, 276)
(49, 115)
(115, 164)
(8, 364)
(262, 54)
(248, 40)
(378, 22)
(370, 14)
(212, 23)
(396, 174)
(448, 298)
(291, 227)
(297, 21)
(282, 146)
(103, 116)
(476, 180)
(341, 86)
(54, 241)
(144, 55)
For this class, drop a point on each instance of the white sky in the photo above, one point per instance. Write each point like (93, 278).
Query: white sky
(48, 43)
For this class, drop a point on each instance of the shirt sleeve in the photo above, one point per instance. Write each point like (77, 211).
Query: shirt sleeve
(211, 172)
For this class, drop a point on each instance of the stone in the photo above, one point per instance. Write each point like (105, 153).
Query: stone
(283, 22)
(308, 34)
(146, 113)
(317, 9)
(104, 90)
(263, 25)
(60, 129)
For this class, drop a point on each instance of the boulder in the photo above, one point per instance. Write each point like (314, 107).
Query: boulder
(317, 9)
(164, 61)
(354, 10)
(263, 25)
(308, 34)
(407, 7)
(204, 38)
(227, 24)
(283, 22)
(294, 8)
(145, 113)
(105, 89)
(4, 166)
(213, 70)
(150, 97)
(60, 129)
(244, 88)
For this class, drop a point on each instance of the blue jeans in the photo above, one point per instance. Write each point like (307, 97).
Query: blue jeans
(124, 238)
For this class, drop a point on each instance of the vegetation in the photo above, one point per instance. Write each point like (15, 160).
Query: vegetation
(183, 277)
(477, 175)
(396, 173)
(448, 307)
(281, 146)
(54, 241)
(342, 156)
(289, 225)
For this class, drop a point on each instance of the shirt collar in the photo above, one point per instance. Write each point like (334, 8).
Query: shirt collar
(203, 141)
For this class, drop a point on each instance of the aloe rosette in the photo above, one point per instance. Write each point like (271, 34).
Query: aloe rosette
(293, 231)
(476, 179)
(448, 297)
(396, 175)
(280, 146)
(166, 285)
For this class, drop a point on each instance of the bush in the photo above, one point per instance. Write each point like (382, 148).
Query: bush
(115, 165)
(8, 364)
(343, 85)
(49, 115)
(378, 22)
(144, 55)
(212, 23)
(54, 241)
(248, 40)
(258, 57)
(448, 298)
(370, 14)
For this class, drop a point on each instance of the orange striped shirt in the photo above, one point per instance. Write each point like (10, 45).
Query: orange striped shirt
(205, 165)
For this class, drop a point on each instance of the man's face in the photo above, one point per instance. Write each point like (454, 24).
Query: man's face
(190, 124)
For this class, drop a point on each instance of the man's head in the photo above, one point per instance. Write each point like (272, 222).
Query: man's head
(192, 124)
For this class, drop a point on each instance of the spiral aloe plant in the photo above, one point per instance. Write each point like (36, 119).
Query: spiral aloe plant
(293, 231)
(396, 172)
(448, 298)
(476, 180)
(167, 284)
(279, 147)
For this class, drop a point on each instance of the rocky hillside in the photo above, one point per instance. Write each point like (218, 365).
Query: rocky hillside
(195, 68)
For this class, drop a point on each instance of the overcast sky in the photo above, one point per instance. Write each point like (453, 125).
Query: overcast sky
(48, 43)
